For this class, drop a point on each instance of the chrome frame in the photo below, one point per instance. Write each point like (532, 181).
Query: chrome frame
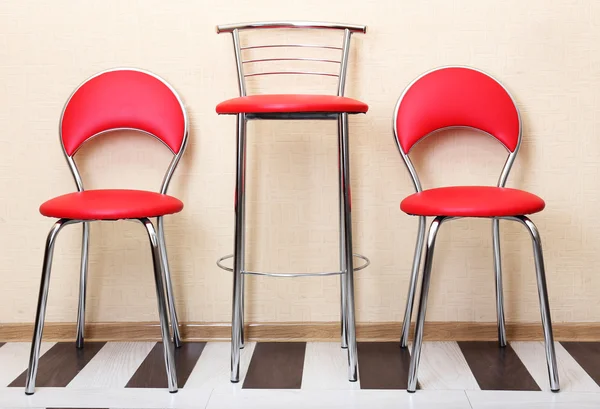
(433, 230)
(228, 28)
(239, 258)
(222, 266)
(158, 247)
(347, 269)
(235, 29)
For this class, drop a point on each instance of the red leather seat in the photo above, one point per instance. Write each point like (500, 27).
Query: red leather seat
(290, 103)
(472, 201)
(110, 204)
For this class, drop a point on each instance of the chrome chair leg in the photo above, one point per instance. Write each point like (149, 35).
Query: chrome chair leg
(343, 277)
(412, 285)
(236, 319)
(544, 304)
(498, 274)
(350, 320)
(418, 342)
(242, 253)
(242, 340)
(343, 318)
(167, 273)
(162, 305)
(343, 292)
(85, 244)
(38, 328)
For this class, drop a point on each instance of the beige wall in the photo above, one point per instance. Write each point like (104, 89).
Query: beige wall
(546, 52)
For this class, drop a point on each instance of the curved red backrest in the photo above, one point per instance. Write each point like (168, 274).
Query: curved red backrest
(457, 96)
(123, 98)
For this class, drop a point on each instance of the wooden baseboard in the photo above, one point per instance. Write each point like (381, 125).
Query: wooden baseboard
(321, 331)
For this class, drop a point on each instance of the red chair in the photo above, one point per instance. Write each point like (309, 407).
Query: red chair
(296, 107)
(465, 97)
(115, 100)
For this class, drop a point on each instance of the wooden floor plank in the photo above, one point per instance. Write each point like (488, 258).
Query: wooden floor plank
(113, 366)
(14, 357)
(61, 364)
(443, 367)
(497, 368)
(212, 371)
(587, 354)
(152, 373)
(276, 365)
(383, 365)
(326, 367)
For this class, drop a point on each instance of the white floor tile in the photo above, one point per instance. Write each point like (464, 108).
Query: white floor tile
(572, 376)
(14, 358)
(130, 398)
(113, 366)
(326, 367)
(444, 367)
(213, 367)
(363, 399)
(532, 400)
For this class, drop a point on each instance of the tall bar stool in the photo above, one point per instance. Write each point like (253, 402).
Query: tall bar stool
(293, 106)
(465, 97)
(117, 99)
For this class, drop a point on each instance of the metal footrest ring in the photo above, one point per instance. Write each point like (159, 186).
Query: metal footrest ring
(316, 274)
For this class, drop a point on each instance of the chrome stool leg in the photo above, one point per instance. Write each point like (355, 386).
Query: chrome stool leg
(38, 328)
(85, 244)
(418, 342)
(242, 253)
(162, 306)
(499, 291)
(236, 319)
(350, 320)
(167, 273)
(544, 304)
(412, 285)
(343, 277)
(242, 340)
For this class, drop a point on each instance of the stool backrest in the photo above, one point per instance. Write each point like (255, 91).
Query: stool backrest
(343, 48)
(124, 99)
(455, 97)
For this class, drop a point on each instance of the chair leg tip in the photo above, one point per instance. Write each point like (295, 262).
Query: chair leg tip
(175, 391)
(28, 393)
(403, 343)
(177, 342)
(232, 381)
(409, 391)
(555, 390)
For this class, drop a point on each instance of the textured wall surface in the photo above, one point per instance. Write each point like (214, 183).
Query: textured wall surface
(547, 54)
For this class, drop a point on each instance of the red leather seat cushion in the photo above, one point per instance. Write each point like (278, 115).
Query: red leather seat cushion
(123, 98)
(457, 96)
(110, 204)
(472, 201)
(289, 103)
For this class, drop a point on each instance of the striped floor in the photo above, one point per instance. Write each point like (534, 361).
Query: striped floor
(298, 374)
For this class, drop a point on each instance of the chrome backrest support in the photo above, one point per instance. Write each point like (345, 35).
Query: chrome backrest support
(176, 156)
(235, 29)
(409, 165)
